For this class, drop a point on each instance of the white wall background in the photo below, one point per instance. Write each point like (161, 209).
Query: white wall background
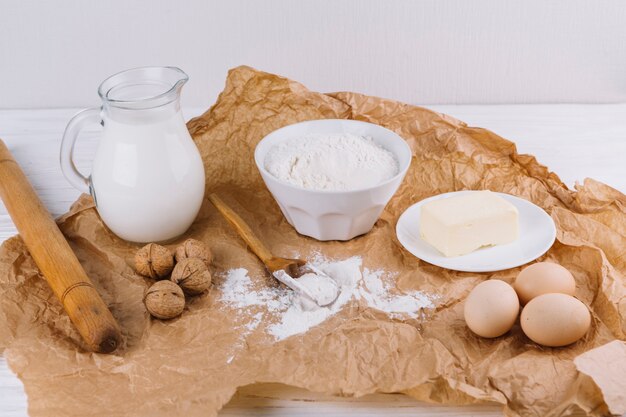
(55, 53)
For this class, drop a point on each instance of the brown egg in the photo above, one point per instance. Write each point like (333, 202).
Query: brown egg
(555, 319)
(491, 308)
(543, 278)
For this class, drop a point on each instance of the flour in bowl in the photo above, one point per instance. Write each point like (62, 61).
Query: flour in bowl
(339, 161)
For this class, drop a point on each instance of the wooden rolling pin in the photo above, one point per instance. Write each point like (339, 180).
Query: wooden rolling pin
(55, 258)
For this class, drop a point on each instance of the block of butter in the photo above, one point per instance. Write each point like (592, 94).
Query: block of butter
(459, 225)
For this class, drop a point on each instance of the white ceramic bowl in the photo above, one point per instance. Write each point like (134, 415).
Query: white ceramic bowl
(333, 215)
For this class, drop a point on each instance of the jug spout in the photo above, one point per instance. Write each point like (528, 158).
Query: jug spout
(180, 83)
(143, 88)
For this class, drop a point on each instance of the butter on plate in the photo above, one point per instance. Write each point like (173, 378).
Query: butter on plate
(459, 225)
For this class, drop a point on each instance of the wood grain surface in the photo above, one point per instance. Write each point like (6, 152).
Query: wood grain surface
(575, 141)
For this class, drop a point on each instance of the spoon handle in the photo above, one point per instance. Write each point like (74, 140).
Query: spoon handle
(243, 229)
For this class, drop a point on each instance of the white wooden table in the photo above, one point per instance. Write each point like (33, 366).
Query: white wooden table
(575, 141)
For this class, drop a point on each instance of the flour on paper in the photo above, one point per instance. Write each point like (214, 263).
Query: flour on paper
(288, 313)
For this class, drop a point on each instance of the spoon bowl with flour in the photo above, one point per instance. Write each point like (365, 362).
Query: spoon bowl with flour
(316, 286)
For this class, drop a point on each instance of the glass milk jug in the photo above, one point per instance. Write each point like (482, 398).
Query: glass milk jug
(147, 178)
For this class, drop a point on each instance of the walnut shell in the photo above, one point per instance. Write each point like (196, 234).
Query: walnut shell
(164, 300)
(192, 275)
(192, 248)
(154, 261)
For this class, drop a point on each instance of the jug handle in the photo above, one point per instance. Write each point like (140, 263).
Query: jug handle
(75, 125)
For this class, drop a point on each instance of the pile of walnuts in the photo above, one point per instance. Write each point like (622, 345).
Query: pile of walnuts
(187, 270)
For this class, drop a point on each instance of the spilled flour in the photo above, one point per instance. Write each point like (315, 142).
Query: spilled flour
(376, 293)
(288, 313)
(303, 314)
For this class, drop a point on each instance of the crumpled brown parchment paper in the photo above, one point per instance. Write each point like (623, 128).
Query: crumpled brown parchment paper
(193, 365)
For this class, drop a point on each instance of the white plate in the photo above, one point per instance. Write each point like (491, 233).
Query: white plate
(537, 234)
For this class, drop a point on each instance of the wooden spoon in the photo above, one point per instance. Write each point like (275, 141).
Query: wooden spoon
(283, 269)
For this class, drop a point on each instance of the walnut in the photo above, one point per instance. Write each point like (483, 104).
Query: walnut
(192, 275)
(192, 248)
(164, 300)
(154, 261)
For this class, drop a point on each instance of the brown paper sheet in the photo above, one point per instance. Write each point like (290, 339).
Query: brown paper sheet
(604, 366)
(182, 367)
